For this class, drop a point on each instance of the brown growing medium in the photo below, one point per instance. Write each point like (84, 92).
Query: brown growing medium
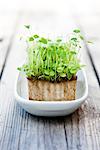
(42, 90)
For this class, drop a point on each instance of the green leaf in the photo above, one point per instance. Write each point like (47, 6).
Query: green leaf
(35, 36)
(76, 31)
(49, 40)
(19, 68)
(59, 69)
(90, 42)
(81, 37)
(73, 52)
(73, 71)
(27, 26)
(31, 38)
(74, 39)
(62, 74)
(47, 78)
(43, 40)
(52, 73)
(46, 72)
(59, 40)
(69, 75)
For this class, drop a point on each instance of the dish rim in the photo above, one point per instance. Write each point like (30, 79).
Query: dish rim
(23, 100)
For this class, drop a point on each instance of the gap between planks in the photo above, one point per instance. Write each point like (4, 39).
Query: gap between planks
(9, 45)
(93, 61)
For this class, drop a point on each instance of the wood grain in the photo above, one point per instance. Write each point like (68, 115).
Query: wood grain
(91, 31)
(6, 36)
(20, 130)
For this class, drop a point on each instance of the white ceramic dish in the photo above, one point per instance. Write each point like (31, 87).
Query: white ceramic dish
(53, 108)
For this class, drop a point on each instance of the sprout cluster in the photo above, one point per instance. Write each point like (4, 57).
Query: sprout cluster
(52, 60)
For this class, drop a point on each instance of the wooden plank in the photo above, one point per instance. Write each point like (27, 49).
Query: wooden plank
(94, 53)
(20, 130)
(86, 119)
(6, 36)
(90, 28)
(84, 123)
(83, 126)
(3, 53)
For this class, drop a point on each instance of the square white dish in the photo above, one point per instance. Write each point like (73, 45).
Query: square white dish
(50, 108)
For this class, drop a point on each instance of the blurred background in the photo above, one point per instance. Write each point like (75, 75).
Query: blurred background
(88, 12)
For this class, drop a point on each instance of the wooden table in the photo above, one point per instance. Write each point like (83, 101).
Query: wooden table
(18, 129)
